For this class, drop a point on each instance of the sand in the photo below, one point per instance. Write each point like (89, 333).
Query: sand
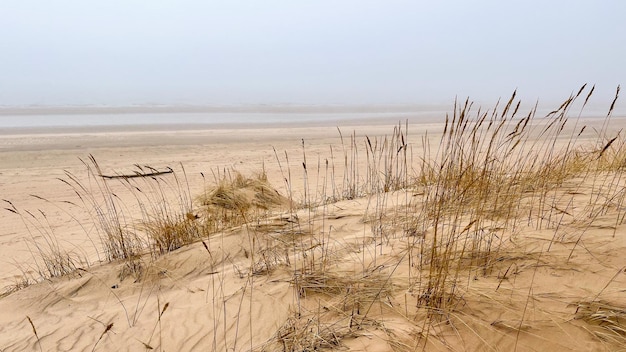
(31, 164)
(212, 295)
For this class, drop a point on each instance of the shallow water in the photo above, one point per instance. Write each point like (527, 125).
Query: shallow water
(124, 119)
(163, 118)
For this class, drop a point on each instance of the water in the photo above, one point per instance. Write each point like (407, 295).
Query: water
(164, 119)
(63, 119)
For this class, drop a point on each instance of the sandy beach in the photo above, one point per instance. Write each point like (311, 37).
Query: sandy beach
(320, 268)
(32, 161)
(312, 176)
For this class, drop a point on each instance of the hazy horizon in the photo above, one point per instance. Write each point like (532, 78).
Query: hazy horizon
(210, 53)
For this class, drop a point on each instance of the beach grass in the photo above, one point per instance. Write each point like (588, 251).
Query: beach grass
(441, 227)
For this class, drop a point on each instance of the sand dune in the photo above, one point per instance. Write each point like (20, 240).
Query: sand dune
(328, 269)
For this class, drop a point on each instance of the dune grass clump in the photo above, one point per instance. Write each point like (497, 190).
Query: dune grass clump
(237, 200)
(337, 309)
(172, 231)
(108, 211)
(168, 215)
(51, 259)
(388, 161)
(491, 172)
(609, 317)
(351, 291)
(312, 333)
(385, 168)
(157, 214)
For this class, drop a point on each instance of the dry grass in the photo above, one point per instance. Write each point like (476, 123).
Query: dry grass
(611, 318)
(50, 258)
(494, 171)
(350, 291)
(456, 215)
(172, 231)
(117, 235)
(339, 308)
(310, 334)
(237, 200)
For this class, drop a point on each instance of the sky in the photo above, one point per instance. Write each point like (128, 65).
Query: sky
(321, 52)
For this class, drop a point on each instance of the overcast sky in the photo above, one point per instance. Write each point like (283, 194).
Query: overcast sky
(306, 52)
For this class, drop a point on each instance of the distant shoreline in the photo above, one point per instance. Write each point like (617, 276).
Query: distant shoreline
(75, 120)
(192, 121)
(190, 127)
(167, 109)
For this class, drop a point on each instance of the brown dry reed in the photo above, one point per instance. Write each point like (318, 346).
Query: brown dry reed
(490, 175)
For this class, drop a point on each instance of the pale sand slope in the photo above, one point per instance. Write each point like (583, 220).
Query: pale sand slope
(529, 300)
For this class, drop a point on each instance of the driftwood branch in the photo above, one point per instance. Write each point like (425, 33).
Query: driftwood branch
(139, 174)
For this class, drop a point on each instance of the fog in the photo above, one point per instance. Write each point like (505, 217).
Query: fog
(306, 52)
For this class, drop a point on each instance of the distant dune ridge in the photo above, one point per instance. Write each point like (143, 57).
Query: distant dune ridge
(491, 229)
